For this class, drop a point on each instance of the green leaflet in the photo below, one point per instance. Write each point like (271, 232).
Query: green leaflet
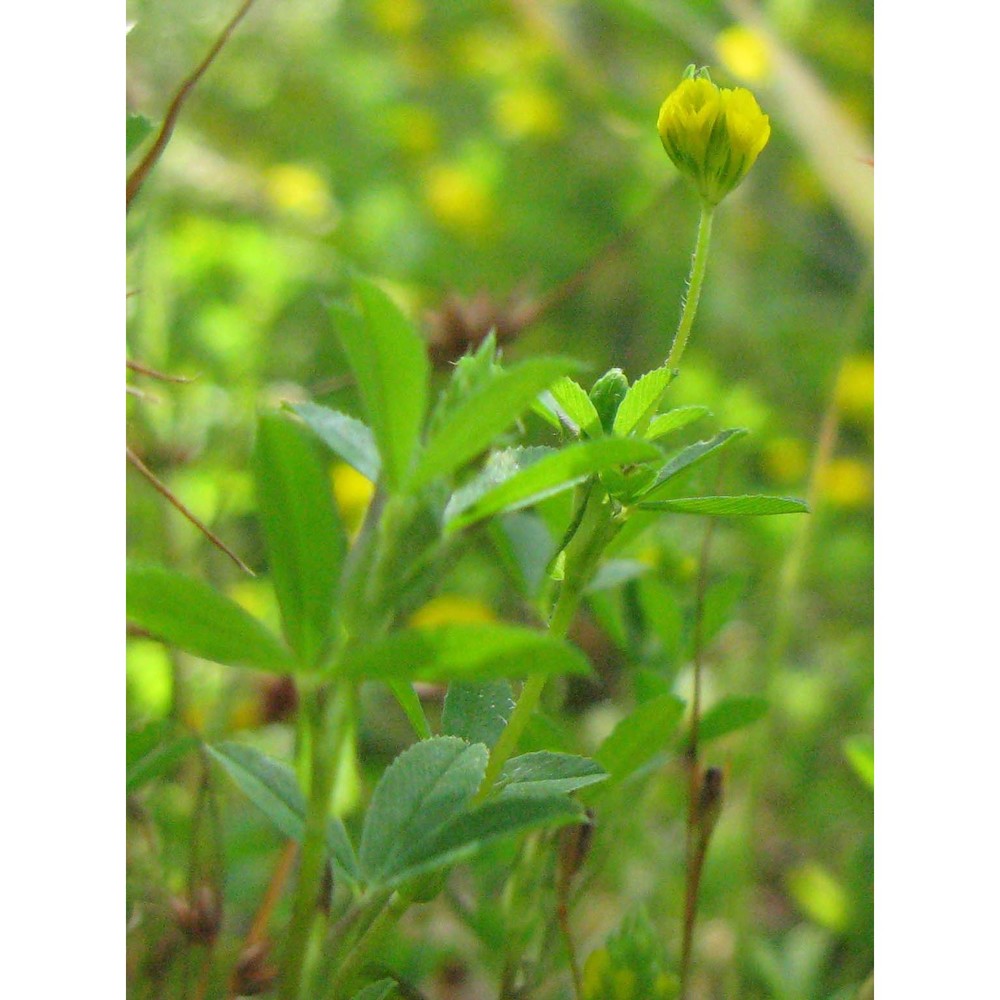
(547, 773)
(546, 476)
(574, 402)
(345, 436)
(639, 401)
(732, 506)
(689, 457)
(424, 787)
(477, 711)
(640, 736)
(137, 128)
(493, 820)
(305, 541)
(476, 652)
(272, 787)
(729, 715)
(389, 361)
(409, 702)
(486, 412)
(674, 420)
(192, 616)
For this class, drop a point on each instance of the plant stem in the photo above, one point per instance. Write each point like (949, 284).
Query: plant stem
(697, 275)
(393, 908)
(696, 837)
(531, 693)
(327, 747)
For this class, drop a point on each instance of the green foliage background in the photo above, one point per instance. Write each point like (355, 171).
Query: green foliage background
(500, 147)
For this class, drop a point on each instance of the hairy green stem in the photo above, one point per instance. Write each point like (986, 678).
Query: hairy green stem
(329, 711)
(695, 279)
(393, 907)
(583, 552)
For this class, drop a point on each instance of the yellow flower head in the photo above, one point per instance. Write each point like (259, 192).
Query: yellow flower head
(712, 134)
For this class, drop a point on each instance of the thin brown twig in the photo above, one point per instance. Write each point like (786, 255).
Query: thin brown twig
(138, 176)
(140, 369)
(204, 977)
(274, 889)
(141, 467)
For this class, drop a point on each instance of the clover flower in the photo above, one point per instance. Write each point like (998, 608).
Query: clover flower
(712, 134)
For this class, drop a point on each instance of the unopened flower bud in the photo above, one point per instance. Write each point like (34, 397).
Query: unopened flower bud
(714, 135)
(574, 846)
(607, 394)
(201, 917)
(254, 974)
(710, 801)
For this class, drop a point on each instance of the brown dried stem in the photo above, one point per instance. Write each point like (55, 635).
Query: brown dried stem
(138, 176)
(141, 369)
(141, 467)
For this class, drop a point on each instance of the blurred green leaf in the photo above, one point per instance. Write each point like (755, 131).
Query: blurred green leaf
(614, 572)
(640, 736)
(547, 773)
(346, 437)
(663, 612)
(819, 895)
(485, 413)
(639, 401)
(272, 787)
(477, 712)
(137, 128)
(730, 714)
(477, 652)
(377, 991)
(550, 474)
(305, 541)
(389, 361)
(860, 754)
(525, 542)
(735, 506)
(154, 751)
(409, 702)
(421, 790)
(192, 616)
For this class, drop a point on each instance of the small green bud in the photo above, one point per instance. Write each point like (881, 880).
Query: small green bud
(607, 394)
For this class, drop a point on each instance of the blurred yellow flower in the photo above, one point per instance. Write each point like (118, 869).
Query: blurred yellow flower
(246, 714)
(458, 199)
(352, 493)
(856, 386)
(847, 482)
(451, 609)
(298, 191)
(744, 53)
(396, 17)
(786, 460)
(595, 969)
(713, 135)
(526, 112)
